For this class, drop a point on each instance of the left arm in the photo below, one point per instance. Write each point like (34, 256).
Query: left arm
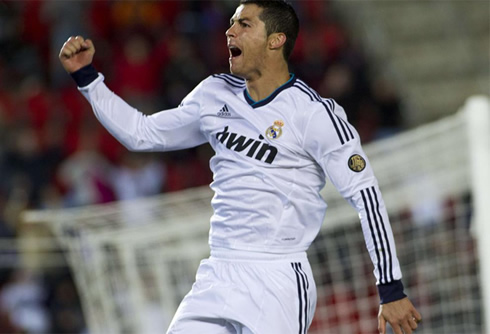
(335, 145)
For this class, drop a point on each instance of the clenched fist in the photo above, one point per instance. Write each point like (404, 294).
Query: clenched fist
(76, 53)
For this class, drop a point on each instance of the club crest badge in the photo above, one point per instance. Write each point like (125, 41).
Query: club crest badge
(357, 163)
(274, 131)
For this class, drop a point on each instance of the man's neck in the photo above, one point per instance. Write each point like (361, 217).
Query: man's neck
(263, 86)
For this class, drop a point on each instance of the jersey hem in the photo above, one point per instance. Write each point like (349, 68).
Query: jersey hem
(242, 255)
(253, 249)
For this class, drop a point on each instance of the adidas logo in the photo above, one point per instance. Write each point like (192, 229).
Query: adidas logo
(224, 112)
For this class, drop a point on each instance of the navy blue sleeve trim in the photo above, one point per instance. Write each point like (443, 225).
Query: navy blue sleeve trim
(391, 292)
(85, 76)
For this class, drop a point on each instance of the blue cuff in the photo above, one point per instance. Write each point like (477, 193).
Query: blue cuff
(390, 292)
(85, 76)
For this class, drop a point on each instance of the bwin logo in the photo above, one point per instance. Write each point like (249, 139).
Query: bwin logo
(256, 148)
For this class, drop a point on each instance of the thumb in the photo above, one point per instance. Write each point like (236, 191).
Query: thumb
(89, 45)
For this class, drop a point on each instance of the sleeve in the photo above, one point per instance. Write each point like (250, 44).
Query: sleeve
(167, 130)
(336, 147)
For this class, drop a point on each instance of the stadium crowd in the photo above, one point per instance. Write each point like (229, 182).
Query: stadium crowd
(54, 153)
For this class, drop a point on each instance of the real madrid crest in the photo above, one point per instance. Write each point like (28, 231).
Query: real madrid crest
(274, 131)
(357, 163)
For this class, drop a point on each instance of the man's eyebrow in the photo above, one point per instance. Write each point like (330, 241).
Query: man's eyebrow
(232, 20)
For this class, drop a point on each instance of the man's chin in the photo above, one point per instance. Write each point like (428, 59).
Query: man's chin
(237, 70)
(234, 71)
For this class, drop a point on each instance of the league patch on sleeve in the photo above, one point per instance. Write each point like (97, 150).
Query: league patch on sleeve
(357, 163)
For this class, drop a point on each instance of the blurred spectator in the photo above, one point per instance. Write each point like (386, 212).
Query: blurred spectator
(183, 72)
(319, 44)
(136, 72)
(138, 175)
(389, 105)
(25, 163)
(35, 102)
(22, 298)
(63, 301)
(187, 169)
(339, 83)
(85, 173)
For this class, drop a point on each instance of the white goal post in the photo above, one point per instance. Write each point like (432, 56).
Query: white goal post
(133, 261)
(477, 112)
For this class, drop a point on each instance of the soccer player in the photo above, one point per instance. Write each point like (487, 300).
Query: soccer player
(276, 143)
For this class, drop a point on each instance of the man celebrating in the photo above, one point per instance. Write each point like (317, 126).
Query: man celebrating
(276, 142)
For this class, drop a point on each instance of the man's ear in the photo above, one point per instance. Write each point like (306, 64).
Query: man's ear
(276, 40)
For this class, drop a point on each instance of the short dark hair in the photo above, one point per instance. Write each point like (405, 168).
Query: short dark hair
(278, 16)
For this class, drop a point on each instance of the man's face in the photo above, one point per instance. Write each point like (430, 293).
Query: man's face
(247, 41)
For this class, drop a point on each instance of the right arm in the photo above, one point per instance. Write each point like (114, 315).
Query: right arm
(166, 130)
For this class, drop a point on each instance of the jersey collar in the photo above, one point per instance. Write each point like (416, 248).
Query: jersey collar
(263, 102)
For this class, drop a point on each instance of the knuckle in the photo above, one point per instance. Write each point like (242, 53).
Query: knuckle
(398, 320)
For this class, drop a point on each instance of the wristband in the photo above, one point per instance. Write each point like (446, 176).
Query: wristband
(85, 76)
(391, 292)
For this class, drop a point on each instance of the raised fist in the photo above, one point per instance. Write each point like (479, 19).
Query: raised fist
(76, 53)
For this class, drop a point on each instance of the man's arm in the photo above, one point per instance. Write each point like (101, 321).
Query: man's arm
(341, 157)
(171, 129)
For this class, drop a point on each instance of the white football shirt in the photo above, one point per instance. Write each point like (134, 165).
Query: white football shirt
(272, 159)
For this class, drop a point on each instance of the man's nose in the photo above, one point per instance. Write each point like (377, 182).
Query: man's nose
(230, 32)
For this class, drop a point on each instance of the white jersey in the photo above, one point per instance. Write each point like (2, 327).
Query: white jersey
(272, 159)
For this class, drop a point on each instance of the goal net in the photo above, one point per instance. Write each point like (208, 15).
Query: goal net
(133, 261)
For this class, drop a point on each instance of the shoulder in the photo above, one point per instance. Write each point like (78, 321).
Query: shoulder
(310, 96)
(214, 87)
(312, 103)
(304, 92)
(213, 84)
(325, 118)
(225, 81)
(311, 100)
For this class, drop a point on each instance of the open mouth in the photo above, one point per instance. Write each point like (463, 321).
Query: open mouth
(235, 51)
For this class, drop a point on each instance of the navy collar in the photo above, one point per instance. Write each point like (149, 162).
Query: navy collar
(263, 102)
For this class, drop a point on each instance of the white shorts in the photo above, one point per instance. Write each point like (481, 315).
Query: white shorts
(242, 293)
